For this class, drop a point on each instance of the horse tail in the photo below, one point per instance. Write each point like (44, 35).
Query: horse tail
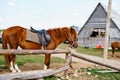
(4, 46)
(4, 41)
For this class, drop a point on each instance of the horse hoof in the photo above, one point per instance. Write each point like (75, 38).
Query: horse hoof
(45, 67)
(18, 70)
(113, 56)
(14, 71)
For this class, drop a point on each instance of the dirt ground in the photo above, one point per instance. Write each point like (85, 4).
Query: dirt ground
(117, 56)
(73, 74)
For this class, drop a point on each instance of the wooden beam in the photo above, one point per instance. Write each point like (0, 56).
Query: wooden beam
(37, 74)
(93, 61)
(27, 52)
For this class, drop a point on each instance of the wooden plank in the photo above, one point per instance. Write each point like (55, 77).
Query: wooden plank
(93, 61)
(32, 74)
(27, 52)
(25, 75)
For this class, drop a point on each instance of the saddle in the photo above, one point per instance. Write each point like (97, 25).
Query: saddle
(44, 37)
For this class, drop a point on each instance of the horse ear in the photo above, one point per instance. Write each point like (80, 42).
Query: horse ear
(72, 30)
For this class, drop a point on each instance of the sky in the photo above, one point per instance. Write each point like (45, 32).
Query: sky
(45, 14)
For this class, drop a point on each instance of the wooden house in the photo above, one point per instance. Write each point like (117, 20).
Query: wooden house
(93, 31)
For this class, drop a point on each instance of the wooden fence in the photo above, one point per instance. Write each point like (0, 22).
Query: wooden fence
(43, 73)
(36, 74)
(106, 63)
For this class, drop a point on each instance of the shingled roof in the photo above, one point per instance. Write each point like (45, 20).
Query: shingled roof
(94, 28)
(98, 20)
(114, 15)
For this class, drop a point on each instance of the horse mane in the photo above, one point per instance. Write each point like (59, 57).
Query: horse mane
(58, 32)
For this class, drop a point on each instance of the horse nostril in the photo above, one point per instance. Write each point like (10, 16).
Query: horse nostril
(75, 46)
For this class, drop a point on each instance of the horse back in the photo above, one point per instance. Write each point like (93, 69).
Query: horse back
(115, 44)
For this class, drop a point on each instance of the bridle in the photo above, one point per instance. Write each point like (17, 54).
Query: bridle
(71, 40)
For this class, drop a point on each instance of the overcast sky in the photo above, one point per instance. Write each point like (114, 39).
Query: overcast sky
(48, 13)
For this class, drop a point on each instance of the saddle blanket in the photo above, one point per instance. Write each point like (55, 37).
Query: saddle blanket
(30, 36)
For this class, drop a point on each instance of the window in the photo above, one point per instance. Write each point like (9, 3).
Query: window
(97, 32)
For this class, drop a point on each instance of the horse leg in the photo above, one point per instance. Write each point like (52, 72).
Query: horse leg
(113, 54)
(47, 61)
(7, 59)
(9, 63)
(15, 64)
(12, 67)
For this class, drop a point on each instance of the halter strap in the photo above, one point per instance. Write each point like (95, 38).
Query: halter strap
(71, 38)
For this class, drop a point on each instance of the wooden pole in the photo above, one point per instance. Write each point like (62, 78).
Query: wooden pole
(107, 31)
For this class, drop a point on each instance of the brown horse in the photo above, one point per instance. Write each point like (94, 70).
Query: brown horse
(16, 36)
(115, 45)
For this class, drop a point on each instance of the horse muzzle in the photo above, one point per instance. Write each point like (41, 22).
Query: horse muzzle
(73, 45)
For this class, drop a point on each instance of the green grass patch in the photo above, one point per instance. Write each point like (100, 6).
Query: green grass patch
(116, 50)
(2, 61)
(1, 30)
(22, 59)
(104, 76)
(90, 51)
(52, 78)
(83, 50)
(63, 46)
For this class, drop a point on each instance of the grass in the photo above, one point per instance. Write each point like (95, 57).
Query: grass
(52, 78)
(83, 50)
(104, 76)
(22, 59)
(94, 51)
(90, 51)
(1, 30)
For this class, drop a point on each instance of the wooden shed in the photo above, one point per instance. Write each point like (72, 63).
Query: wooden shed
(93, 31)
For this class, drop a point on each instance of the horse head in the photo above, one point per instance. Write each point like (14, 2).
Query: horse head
(71, 37)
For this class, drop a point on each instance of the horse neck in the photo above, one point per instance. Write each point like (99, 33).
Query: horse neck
(62, 38)
(59, 36)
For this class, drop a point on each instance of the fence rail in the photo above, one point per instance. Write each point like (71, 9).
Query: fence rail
(105, 63)
(27, 52)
